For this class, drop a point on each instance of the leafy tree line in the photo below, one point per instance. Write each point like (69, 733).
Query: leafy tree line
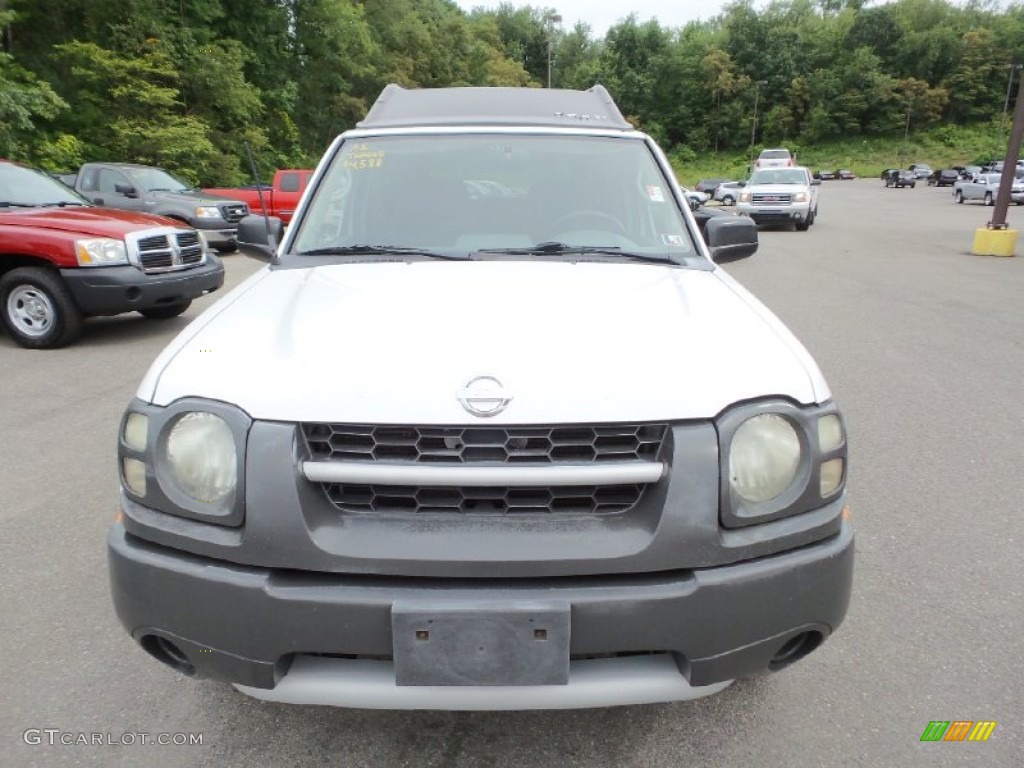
(183, 83)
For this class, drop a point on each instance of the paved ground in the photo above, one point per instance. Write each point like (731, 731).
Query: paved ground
(924, 348)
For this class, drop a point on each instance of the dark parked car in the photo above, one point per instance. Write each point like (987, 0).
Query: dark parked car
(845, 174)
(825, 175)
(709, 185)
(947, 177)
(899, 178)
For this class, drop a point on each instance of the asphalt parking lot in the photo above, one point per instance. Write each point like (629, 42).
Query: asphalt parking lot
(923, 346)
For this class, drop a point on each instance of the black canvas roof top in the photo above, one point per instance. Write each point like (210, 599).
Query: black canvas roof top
(398, 107)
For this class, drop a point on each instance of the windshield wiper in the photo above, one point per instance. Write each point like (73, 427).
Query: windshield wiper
(384, 250)
(60, 204)
(564, 249)
(6, 204)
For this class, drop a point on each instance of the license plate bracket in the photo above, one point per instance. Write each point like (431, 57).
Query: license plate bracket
(464, 643)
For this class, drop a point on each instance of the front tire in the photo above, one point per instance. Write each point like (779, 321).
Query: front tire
(166, 311)
(728, 200)
(988, 199)
(37, 309)
(958, 196)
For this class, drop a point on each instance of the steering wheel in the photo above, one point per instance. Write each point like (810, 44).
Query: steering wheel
(575, 220)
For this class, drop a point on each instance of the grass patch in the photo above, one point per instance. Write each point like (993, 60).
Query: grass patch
(940, 147)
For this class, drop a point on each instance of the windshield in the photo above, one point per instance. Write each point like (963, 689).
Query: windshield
(775, 154)
(470, 193)
(157, 179)
(26, 187)
(779, 176)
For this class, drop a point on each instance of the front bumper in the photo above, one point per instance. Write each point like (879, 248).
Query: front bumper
(303, 637)
(779, 214)
(113, 290)
(218, 233)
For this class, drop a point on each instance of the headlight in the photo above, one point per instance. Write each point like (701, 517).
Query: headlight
(779, 459)
(136, 431)
(764, 457)
(744, 197)
(201, 457)
(100, 251)
(207, 212)
(186, 459)
(800, 197)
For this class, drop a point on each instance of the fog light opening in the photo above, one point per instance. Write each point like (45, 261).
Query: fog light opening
(163, 650)
(795, 649)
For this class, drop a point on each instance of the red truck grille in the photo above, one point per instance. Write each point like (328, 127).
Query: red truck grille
(167, 251)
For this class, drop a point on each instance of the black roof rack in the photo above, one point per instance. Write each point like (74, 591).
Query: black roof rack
(398, 107)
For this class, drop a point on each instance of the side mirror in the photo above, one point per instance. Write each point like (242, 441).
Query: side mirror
(742, 183)
(126, 189)
(815, 182)
(258, 241)
(730, 238)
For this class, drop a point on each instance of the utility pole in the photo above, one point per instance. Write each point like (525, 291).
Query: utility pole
(1009, 163)
(551, 18)
(1006, 104)
(753, 123)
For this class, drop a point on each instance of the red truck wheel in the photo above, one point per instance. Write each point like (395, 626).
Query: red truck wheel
(37, 309)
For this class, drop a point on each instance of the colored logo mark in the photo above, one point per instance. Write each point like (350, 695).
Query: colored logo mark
(958, 730)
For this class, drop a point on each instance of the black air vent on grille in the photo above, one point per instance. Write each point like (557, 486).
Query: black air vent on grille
(461, 445)
(234, 213)
(585, 499)
(177, 249)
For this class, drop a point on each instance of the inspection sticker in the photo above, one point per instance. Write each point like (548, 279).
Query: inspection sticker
(654, 193)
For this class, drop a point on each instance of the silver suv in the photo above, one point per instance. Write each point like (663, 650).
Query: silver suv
(781, 196)
(492, 430)
(775, 158)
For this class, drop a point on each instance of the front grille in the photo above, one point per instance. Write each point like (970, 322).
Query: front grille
(584, 499)
(461, 445)
(235, 212)
(765, 197)
(509, 446)
(171, 250)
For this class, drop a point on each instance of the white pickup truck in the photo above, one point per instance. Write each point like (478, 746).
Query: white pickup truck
(985, 186)
(781, 196)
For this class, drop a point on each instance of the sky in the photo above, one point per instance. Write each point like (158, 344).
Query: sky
(601, 14)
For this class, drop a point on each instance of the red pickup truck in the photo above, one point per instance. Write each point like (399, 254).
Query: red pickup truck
(62, 260)
(280, 198)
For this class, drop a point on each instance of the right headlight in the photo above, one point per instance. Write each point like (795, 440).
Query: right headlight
(100, 252)
(186, 459)
(779, 460)
(745, 197)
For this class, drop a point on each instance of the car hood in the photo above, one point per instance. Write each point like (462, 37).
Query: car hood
(81, 220)
(776, 189)
(396, 342)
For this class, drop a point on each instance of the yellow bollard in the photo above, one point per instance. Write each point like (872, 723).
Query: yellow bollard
(994, 242)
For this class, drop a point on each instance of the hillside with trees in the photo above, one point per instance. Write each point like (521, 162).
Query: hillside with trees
(183, 83)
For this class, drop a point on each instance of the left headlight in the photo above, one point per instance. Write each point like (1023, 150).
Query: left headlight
(207, 212)
(778, 460)
(100, 252)
(801, 197)
(764, 457)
